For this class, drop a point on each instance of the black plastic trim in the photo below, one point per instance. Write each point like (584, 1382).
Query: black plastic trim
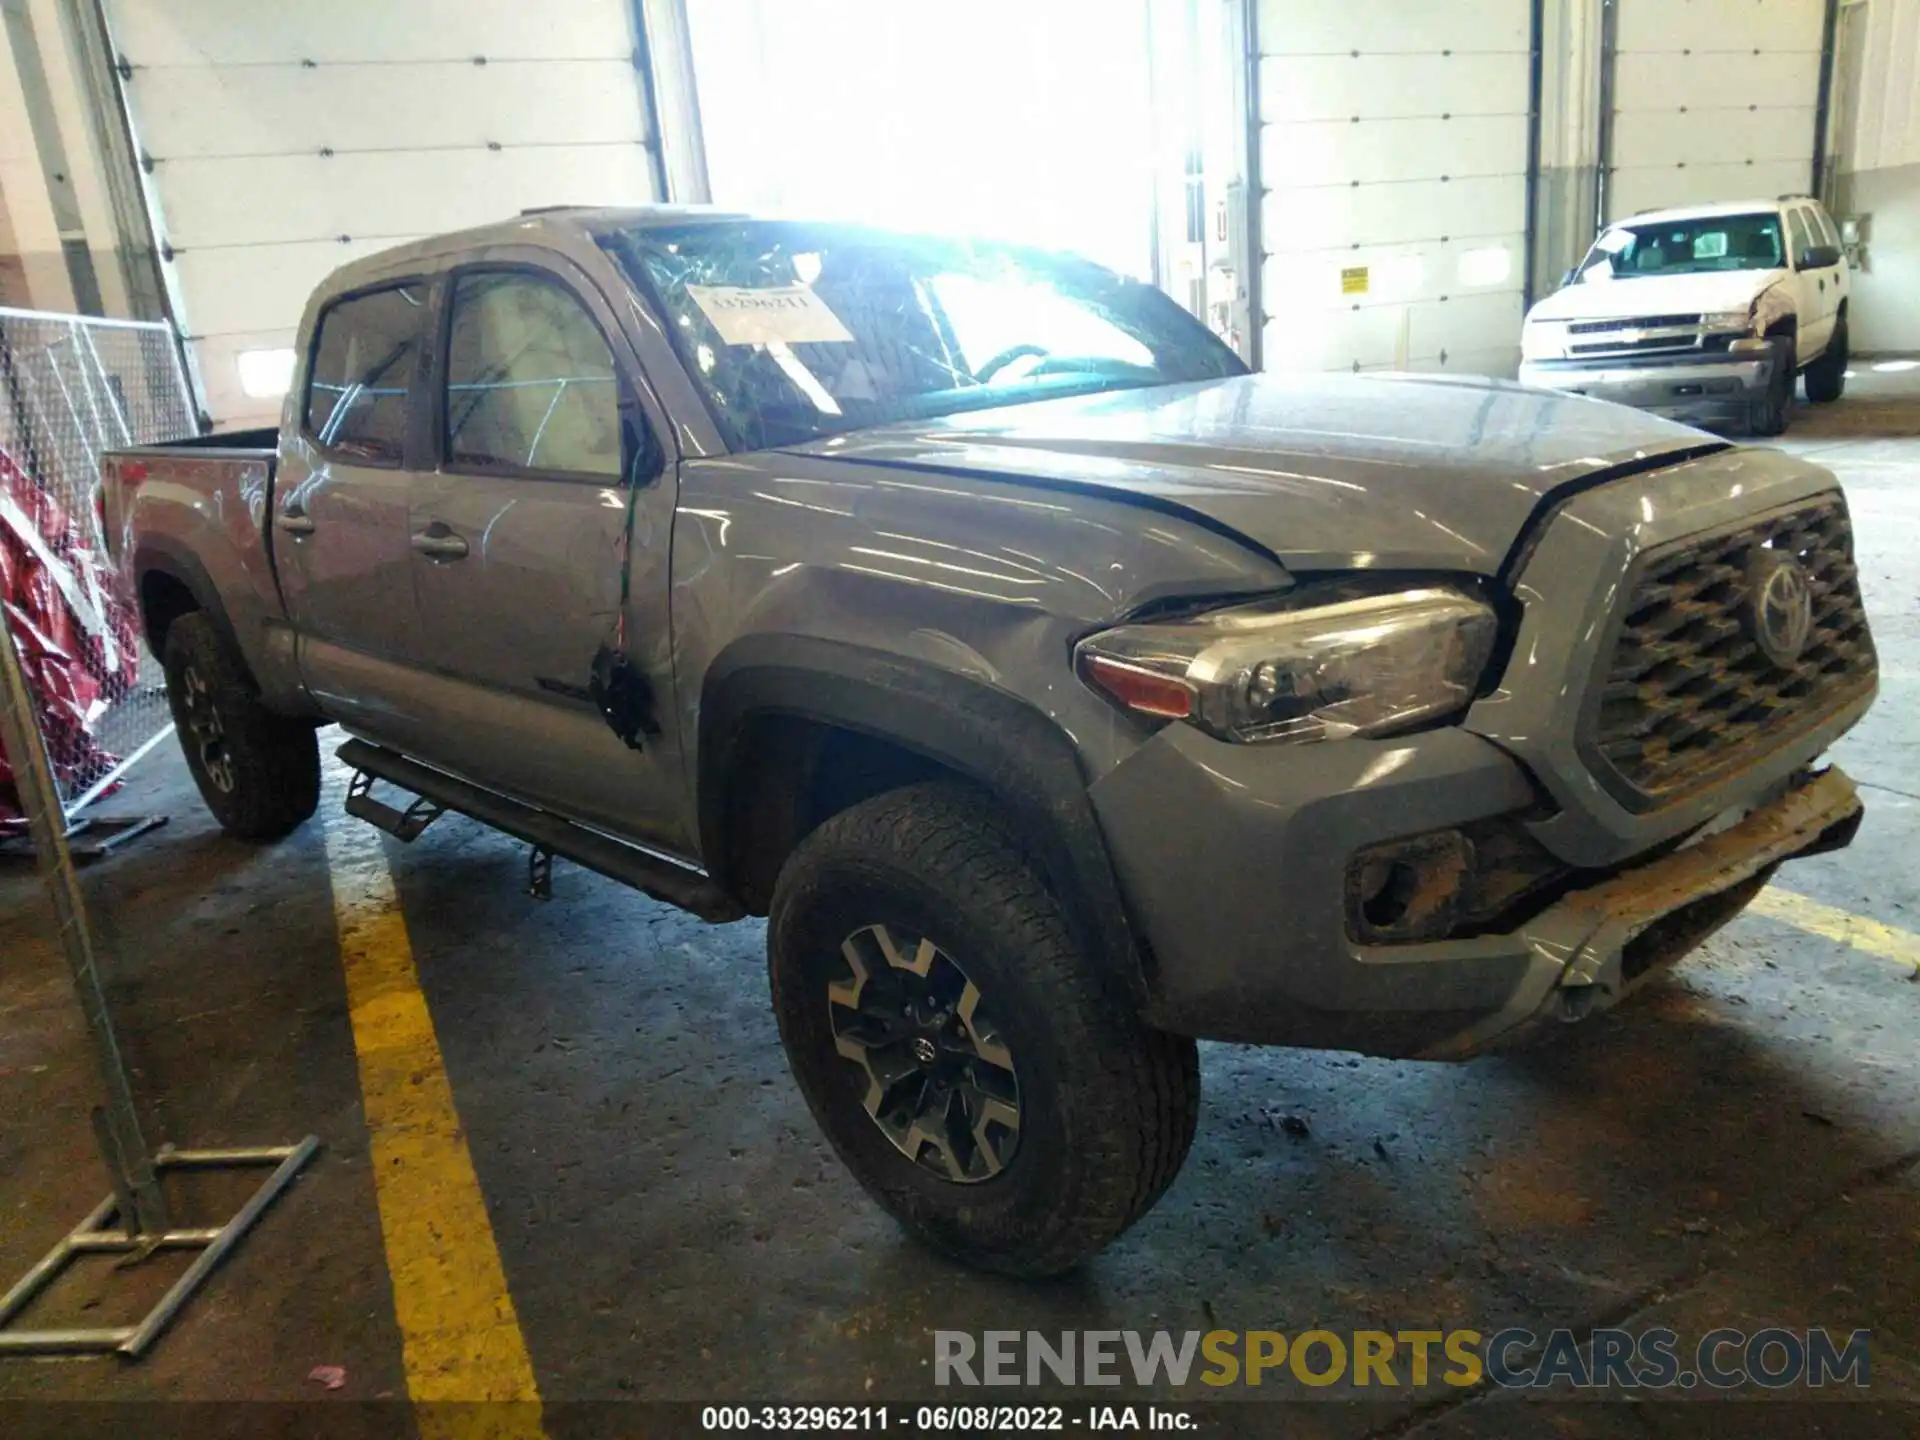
(989, 737)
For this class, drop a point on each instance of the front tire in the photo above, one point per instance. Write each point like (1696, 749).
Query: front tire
(1768, 415)
(996, 1095)
(259, 773)
(1827, 376)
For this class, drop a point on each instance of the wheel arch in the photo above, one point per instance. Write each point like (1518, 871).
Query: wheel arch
(794, 729)
(169, 581)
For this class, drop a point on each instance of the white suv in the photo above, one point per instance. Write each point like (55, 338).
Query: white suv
(1702, 314)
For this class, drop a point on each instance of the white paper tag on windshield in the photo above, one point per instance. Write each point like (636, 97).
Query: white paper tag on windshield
(774, 315)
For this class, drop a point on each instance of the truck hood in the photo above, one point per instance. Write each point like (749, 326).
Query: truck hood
(1656, 295)
(1322, 472)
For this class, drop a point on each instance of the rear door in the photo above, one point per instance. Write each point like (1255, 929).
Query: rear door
(340, 503)
(545, 440)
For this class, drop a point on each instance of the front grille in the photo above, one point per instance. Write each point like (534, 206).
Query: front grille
(1644, 345)
(1687, 694)
(1632, 322)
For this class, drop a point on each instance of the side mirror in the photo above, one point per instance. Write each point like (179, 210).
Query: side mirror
(1819, 257)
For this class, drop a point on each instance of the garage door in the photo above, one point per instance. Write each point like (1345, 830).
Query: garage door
(1393, 149)
(1713, 100)
(286, 140)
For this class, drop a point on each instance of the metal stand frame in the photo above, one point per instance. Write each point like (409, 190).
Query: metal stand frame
(90, 836)
(136, 1202)
(93, 1236)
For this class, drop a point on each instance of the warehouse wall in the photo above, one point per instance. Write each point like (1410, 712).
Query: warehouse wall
(1566, 194)
(1880, 170)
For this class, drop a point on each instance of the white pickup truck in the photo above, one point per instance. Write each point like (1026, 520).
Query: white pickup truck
(1704, 314)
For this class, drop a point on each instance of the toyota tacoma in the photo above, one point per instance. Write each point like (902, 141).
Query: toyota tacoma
(1061, 692)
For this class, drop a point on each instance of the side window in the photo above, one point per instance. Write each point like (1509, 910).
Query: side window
(530, 380)
(1824, 222)
(363, 365)
(1802, 237)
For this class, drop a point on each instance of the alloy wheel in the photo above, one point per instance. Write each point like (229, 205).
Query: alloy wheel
(205, 732)
(940, 1078)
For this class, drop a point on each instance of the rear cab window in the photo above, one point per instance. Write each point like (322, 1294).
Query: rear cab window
(366, 349)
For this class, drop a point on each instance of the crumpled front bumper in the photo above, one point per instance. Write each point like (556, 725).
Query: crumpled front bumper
(1233, 862)
(1599, 944)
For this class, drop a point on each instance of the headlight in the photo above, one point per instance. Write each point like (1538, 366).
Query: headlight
(1543, 340)
(1295, 670)
(1721, 322)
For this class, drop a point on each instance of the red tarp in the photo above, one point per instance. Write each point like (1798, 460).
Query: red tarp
(77, 638)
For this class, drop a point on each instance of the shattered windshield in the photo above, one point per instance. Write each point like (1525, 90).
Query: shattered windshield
(798, 331)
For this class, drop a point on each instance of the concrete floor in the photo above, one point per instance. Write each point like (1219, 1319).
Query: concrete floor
(1741, 1146)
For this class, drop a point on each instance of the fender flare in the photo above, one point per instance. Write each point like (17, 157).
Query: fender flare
(988, 736)
(160, 555)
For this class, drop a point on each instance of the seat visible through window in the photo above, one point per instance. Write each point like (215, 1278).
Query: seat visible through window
(530, 380)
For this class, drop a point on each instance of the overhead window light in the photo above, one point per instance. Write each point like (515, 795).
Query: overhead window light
(265, 374)
(1489, 266)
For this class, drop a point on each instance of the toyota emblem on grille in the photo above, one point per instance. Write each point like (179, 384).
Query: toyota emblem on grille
(1779, 606)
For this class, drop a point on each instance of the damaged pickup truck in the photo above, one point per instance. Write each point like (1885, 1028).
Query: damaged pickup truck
(1062, 692)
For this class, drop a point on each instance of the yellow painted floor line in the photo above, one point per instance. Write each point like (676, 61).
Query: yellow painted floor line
(460, 1335)
(1902, 947)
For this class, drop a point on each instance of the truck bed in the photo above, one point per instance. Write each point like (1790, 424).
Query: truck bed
(238, 462)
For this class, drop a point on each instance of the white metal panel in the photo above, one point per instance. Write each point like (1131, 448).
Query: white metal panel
(1391, 27)
(284, 141)
(1720, 27)
(272, 32)
(388, 195)
(1665, 187)
(1329, 217)
(1393, 151)
(1435, 303)
(1713, 100)
(189, 111)
(1320, 87)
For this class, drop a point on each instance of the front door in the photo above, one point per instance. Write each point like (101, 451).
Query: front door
(545, 442)
(1816, 314)
(340, 507)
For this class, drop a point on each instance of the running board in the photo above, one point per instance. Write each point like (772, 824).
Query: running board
(651, 874)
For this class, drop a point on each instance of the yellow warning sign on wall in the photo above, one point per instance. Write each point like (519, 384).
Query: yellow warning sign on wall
(1353, 280)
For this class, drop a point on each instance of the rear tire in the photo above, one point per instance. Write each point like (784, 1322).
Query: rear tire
(1827, 376)
(1072, 1117)
(259, 773)
(1768, 416)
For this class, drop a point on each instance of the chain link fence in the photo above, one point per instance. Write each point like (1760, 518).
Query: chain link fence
(70, 387)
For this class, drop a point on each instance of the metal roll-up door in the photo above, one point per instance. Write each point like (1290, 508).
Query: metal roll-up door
(1393, 153)
(281, 141)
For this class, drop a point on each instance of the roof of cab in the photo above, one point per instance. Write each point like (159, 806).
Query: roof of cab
(1706, 212)
(558, 225)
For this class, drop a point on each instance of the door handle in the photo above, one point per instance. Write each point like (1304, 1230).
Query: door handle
(295, 521)
(437, 542)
